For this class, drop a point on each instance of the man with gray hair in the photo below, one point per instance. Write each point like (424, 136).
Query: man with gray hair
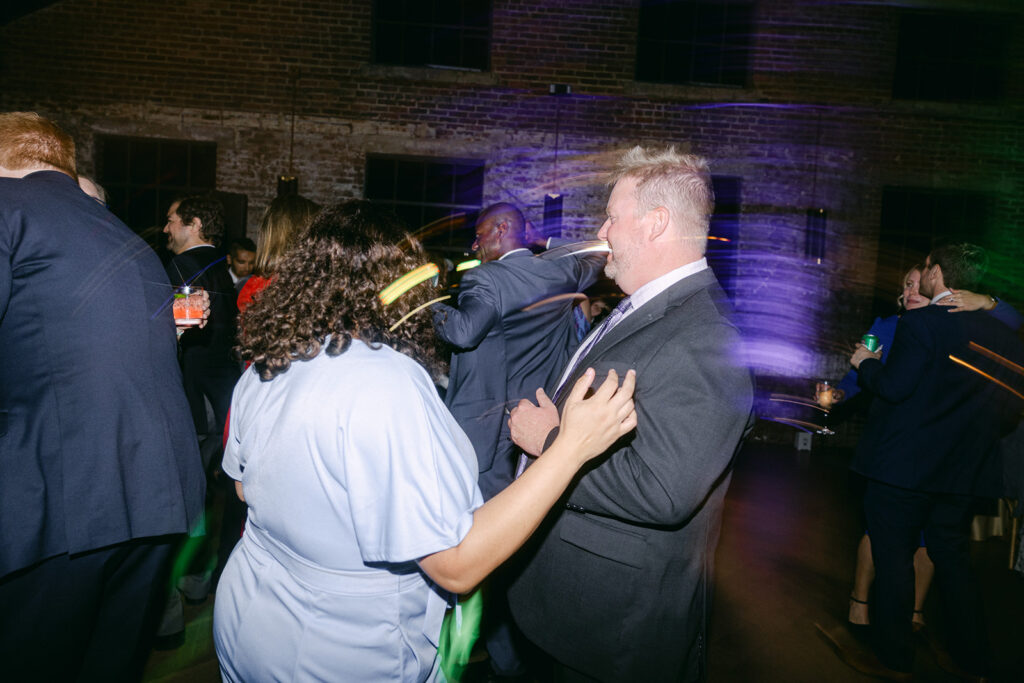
(617, 585)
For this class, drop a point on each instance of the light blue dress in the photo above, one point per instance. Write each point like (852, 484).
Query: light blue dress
(352, 469)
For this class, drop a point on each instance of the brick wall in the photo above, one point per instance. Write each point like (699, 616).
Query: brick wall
(815, 128)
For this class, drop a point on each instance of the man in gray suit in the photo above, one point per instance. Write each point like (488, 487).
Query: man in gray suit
(513, 331)
(616, 585)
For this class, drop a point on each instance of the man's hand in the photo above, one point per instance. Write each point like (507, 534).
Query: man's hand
(530, 424)
(861, 353)
(204, 298)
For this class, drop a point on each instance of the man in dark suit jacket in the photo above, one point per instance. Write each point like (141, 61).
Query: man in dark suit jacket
(99, 470)
(617, 585)
(513, 331)
(930, 447)
(194, 228)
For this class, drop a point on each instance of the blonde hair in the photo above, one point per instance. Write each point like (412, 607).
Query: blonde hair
(679, 182)
(27, 140)
(282, 222)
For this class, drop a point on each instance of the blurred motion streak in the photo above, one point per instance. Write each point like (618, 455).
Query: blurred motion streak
(984, 374)
(992, 355)
(403, 284)
(799, 400)
(553, 299)
(417, 310)
(799, 424)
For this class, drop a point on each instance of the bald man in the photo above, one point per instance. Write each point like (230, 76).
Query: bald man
(513, 331)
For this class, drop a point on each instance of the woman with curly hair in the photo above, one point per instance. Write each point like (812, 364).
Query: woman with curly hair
(363, 503)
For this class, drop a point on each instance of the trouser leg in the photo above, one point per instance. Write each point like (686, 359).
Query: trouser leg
(87, 617)
(894, 518)
(948, 539)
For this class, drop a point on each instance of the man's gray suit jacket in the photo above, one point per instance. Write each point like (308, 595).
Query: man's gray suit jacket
(511, 335)
(616, 584)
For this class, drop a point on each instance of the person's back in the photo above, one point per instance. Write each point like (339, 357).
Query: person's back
(100, 473)
(306, 440)
(532, 297)
(88, 346)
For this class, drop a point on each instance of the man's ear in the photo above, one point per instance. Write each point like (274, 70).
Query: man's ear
(658, 222)
(227, 258)
(197, 226)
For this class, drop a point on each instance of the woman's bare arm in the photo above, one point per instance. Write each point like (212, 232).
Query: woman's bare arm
(502, 525)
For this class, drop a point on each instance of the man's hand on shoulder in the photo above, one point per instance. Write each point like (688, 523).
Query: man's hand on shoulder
(530, 424)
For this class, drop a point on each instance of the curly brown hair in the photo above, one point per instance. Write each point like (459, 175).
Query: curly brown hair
(326, 292)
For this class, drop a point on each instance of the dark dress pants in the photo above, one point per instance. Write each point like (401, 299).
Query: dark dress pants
(895, 519)
(85, 617)
(209, 374)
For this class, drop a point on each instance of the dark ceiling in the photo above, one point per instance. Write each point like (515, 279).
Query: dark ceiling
(12, 9)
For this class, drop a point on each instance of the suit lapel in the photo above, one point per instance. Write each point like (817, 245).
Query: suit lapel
(647, 314)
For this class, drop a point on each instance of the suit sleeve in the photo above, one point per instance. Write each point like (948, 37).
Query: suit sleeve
(693, 402)
(6, 268)
(883, 328)
(588, 268)
(466, 326)
(1007, 315)
(897, 378)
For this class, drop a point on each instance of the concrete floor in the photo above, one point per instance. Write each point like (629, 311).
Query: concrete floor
(785, 564)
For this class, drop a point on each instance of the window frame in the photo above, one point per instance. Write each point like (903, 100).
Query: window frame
(698, 48)
(430, 28)
(458, 241)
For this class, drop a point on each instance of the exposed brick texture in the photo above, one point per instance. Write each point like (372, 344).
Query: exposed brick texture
(816, 126)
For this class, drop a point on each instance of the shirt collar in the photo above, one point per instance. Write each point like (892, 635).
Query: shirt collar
(660, 284)
(941, 295)
(514, 251)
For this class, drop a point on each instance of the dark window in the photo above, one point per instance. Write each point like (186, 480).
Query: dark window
(951, 56)
(723, 238)
(682, 41)
(440, 33)
(143, 176)
(437, 198)
(913, 221)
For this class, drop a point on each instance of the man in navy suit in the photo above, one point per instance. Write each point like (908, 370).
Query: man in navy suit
(513, 330)
(617, 583)
(99, 470)
(928, 449)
